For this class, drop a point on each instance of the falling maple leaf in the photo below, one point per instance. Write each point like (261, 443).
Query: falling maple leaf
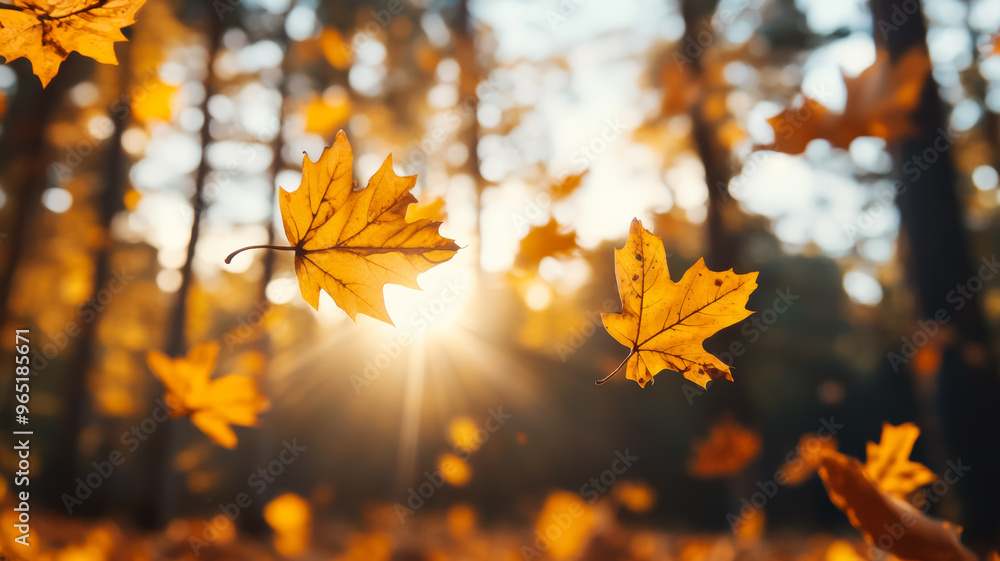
(46, 31)
(212, 404)
(544, 241)
(888, 463)
(727, 450)
(879, 103)
(352, 243)
(885, 521)
(807, 458)
(665, 323)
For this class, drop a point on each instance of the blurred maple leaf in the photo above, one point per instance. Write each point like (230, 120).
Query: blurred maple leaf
(352, 243)
(884, 520)
(665, 323)
(888, 464)
(544, 241)
(212, 404)
(806, 461)
(727, 450)
(879, 103)
(46, 31)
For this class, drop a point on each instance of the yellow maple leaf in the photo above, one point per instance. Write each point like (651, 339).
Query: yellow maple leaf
(433, 209)
(885, 521)
(352, 243)
(46, 31)
(879, 103)
(888, 463)
(665, 323)
(214, 405)
(544, 241)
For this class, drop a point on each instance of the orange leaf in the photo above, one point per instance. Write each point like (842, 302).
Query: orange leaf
(728, 449)
(665, 323)
(213, 404)
(888, 464)
(885, 521)
(879, 103)
(544, 241)
(46, 31)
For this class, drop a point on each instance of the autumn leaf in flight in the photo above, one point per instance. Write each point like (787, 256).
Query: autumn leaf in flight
(665, 323)
(549, 240)
(214, 405)
(352, 243)
(871, 497)
(888, 463)
(727, 450)
(46, 31)
(879, 103)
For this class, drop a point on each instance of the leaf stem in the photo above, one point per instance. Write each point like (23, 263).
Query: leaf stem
(624, 362)
(275, 247)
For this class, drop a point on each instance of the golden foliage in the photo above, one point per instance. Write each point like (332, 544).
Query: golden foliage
(455, 470)
(214, 405)
(567, 186)
(544, 241)
(879, 103)
(885, 521)
(665, 323)
(565, 522)
(727, 450)
(326, 113)
(888, 464)
(290, 517)
(352, 243)
(431, 210)
(806, 460)
(46, 31)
